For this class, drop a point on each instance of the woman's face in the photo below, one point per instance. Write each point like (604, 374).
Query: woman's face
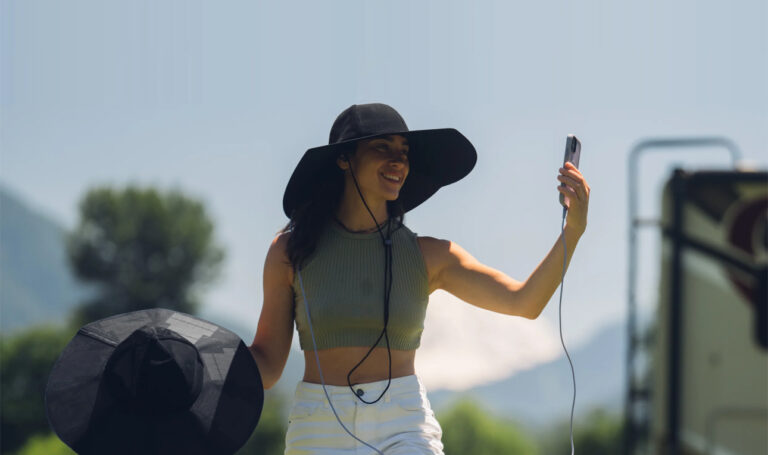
(380, 165)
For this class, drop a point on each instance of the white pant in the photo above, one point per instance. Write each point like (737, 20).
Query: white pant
(401, 422)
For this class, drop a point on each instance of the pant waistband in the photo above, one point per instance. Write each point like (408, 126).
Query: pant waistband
(368, 390)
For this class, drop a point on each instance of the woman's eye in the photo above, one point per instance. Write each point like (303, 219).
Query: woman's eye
(385, 148)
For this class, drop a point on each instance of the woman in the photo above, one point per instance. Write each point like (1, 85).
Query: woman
(356, 282)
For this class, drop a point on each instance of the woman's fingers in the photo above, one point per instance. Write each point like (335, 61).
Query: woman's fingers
(572, 184)
(573, 178)
(567, 179)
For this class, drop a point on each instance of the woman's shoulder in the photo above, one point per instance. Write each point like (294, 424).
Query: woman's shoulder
(280, 241)
(434, 252)
(277, 255)
(433, 249)
(424, 241)
(430, 244)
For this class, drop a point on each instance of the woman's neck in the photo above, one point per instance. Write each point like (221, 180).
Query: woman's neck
(354, 216)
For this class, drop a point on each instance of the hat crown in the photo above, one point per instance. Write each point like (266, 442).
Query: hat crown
(154, 372)
(363, 120)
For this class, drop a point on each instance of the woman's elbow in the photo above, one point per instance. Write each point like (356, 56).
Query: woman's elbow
(269, 381)
(269, 373)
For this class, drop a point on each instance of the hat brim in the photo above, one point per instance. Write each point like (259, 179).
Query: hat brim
(437, 157)
(226, 410)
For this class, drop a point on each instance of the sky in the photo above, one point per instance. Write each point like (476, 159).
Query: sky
(221, 99)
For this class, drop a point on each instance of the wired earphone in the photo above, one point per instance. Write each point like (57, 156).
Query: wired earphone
(387, 242)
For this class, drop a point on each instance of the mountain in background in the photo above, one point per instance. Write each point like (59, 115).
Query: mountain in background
(36, 284)
(542, 394)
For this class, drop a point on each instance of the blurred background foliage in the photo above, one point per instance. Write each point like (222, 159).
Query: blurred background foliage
(468, 428)
(144, 249)
(26, 360)
(596, 433)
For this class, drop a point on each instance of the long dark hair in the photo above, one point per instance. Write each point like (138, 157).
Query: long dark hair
(310, 218)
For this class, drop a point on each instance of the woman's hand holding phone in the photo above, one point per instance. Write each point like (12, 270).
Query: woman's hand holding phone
(574, 190)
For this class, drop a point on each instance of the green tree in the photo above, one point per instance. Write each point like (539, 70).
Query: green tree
(26, 360)
(599, 433)
(468, 428)
(49, 444)
(269, 436)
(142, 249)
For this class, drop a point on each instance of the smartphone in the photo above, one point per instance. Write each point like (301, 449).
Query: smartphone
(572, 153)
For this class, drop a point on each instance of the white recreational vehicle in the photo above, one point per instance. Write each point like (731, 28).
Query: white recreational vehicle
(704, 387)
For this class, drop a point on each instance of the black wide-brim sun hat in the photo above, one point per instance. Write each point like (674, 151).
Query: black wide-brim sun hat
(154, 382)
(437, 157)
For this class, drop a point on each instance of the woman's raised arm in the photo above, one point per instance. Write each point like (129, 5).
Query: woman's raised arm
(456, 271)
(453, 269)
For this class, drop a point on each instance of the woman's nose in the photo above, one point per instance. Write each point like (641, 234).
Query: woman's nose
(399, 157)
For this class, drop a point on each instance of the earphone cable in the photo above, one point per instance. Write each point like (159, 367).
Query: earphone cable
(560, 317)
(387, 290)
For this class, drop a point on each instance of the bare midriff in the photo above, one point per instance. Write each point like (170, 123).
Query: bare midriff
(336, 363)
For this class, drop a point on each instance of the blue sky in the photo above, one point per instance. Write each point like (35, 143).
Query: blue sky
(221, 99)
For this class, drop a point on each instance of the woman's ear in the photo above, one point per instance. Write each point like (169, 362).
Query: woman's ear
(342, 162)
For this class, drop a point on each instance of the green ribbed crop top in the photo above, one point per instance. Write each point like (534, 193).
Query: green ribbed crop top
(344, 283)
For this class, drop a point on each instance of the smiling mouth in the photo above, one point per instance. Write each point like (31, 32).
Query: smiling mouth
(392, 178)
